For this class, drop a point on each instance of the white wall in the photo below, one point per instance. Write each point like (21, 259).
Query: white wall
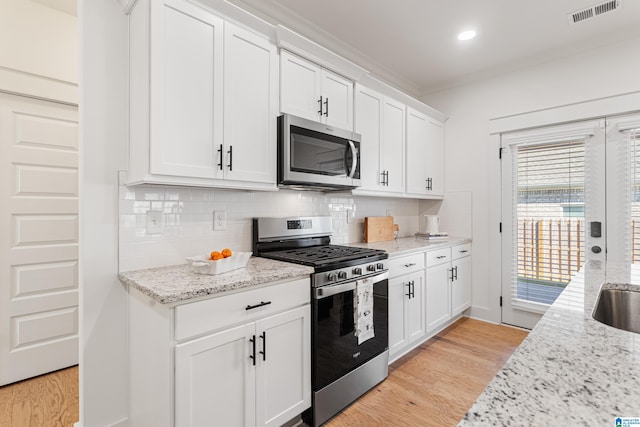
(103, 133)
(38, 40)
(38, 51)
(471, 163)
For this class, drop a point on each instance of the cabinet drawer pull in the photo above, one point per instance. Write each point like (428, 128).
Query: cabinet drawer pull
(441, 256)
(264, 345)
(464, 251)
(262, 304)
(411, 264)
(252, 340)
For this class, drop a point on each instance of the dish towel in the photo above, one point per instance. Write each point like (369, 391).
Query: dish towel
(363, 313)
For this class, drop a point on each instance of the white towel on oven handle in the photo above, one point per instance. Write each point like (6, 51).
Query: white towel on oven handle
(363, 313)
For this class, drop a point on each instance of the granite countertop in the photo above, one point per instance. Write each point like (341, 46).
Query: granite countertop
(179, 283)
(571, 369)
(407, 245)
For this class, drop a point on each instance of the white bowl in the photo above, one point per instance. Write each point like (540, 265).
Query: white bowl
(203, 265)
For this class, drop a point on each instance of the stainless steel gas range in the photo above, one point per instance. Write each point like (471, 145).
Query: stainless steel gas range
(349, 332)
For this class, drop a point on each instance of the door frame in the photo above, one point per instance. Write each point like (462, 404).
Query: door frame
(621, 104)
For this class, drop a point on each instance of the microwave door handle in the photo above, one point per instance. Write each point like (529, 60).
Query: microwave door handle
(354, 159)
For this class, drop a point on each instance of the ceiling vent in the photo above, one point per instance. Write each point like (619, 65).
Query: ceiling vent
(593, 11)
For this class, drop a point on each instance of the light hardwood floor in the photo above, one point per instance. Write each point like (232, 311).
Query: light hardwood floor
(46, 401)
(434, 385)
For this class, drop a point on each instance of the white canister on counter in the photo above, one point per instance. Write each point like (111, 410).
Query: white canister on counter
(432, 224)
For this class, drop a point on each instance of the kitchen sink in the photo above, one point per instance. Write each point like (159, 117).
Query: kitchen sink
(618, 305)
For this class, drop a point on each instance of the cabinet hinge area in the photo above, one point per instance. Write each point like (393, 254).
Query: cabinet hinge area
(500, 301)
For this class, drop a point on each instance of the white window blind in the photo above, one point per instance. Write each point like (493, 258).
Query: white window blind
(633, 144)
(548, 212)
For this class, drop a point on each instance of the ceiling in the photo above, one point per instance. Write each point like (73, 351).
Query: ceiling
(413, 43)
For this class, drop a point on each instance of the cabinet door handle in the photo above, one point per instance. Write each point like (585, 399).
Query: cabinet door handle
(220, 151)
(262, 304)
(326, 107)
(252, 340)
(264, 345)
(320, 103)
(386, 180)
(230, 152)
(413, 289)
(411, 264)
(455, 275)
(408, 284)
(382, 174)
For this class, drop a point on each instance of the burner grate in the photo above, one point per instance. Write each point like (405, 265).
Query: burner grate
(319, 255)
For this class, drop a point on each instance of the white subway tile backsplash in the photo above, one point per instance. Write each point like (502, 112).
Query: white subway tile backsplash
(188, 219)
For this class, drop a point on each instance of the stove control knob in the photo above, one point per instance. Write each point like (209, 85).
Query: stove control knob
(380, 266)
(332, 277)
(371, 267)
(357, 270)
(342, 275)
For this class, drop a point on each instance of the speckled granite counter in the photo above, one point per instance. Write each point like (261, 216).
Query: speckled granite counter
(407, 245)
(571, 369)
(179, 283)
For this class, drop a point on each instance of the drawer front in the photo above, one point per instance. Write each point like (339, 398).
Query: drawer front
(438, 257)
(223, 311)
(461, 251)
(405, 264)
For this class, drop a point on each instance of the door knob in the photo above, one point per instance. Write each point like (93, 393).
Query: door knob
(596, 249)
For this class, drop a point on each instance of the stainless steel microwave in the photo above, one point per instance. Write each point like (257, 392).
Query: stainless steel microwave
(315, 156)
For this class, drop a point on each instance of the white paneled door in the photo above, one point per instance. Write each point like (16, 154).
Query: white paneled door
(38, 237)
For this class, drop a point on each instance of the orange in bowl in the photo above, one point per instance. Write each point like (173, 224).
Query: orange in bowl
(226, 252)
(215, 255)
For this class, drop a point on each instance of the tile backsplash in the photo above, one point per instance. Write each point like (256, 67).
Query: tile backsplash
(186, 228)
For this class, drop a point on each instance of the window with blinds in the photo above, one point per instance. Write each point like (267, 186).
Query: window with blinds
(634, 163)
(549, 218)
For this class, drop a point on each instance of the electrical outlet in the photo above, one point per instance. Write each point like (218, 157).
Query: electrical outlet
(154, 222)
(219, 220)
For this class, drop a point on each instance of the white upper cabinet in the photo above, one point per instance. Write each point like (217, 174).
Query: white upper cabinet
(250, 106)
(203, 99)
(425, 155)
(381, 123)
(315, 93)
(186, 90)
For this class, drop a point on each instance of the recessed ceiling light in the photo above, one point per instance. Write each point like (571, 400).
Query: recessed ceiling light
(466, 35)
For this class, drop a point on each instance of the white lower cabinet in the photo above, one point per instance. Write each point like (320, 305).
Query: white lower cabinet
(254, 374)
(406, 311)
(406, 302)
(461, 283)
(243, 359)
(448, 284)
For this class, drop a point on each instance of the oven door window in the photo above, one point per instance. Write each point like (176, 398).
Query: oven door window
(320, 154)
(336, 350)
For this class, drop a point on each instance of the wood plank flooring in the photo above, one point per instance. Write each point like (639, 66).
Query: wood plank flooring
(46, 401)
(435, 384)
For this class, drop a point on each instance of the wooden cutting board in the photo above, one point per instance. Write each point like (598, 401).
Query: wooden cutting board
(378, 228)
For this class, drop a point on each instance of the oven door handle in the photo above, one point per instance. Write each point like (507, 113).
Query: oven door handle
(327, 291)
